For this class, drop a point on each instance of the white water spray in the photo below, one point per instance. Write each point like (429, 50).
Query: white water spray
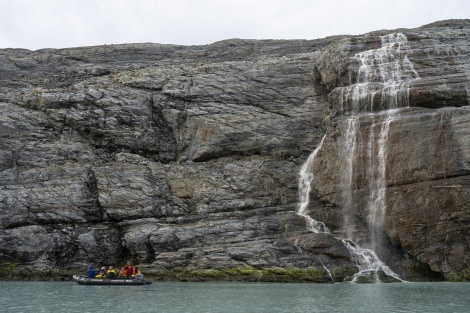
(382, 79)
(368, 263)
(349, 150)
(327, 270)
(381, 84)
(305, 181)
(365, 259)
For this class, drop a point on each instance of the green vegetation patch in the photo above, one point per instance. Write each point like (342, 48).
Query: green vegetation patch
(17, 270)
(252, 274)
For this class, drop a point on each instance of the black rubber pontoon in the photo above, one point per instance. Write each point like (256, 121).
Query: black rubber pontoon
(85, 280)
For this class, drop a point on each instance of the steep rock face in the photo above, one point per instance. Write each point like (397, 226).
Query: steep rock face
(173, 156)
(188, 157)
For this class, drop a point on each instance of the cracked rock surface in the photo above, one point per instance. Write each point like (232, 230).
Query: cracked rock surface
(187, 157)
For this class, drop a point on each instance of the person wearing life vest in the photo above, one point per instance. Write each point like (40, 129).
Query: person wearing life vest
(138, 274)
(91, 271)
(122, 273)
(129, 270)
(111, 272)
(102, 274)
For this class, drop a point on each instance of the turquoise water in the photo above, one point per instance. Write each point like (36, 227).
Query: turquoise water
(210, 297)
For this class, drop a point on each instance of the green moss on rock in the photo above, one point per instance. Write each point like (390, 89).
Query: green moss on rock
(252, 274)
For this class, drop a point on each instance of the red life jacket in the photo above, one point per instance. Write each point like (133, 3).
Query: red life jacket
(129, 269)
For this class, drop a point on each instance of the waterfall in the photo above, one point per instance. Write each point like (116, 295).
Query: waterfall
(365, 259)
(305, 181)
(349, 151)
(378, 87)
(368, 263)
(381, 79)
(381, 84)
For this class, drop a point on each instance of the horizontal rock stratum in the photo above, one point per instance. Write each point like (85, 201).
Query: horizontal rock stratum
(186, 159)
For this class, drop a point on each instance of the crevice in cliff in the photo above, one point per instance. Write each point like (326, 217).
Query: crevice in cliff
(165, 134)
(124, 254)
(445, 177)
(95, 211)
(425, 271)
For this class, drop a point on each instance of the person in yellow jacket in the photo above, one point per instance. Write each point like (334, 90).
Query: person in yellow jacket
(111, 272)
(102, 273)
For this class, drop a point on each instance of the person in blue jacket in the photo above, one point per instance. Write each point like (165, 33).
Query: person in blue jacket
(91, 271)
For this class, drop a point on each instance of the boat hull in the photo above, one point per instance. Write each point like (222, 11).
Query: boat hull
(84, 280)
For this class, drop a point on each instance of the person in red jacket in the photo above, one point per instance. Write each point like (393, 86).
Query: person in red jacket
(128, 270)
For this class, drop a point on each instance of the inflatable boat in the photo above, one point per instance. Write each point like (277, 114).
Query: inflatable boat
(85, 280)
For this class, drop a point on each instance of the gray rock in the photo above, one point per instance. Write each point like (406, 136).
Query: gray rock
(187, 157)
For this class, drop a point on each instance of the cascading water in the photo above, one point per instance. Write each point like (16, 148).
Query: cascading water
(381, 85)
(305, 181)
(365, 259)
(381, 81)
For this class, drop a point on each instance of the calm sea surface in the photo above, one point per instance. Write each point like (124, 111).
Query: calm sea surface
(208, 297)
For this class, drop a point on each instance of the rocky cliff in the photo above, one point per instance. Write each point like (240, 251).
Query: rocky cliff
(186, 159)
